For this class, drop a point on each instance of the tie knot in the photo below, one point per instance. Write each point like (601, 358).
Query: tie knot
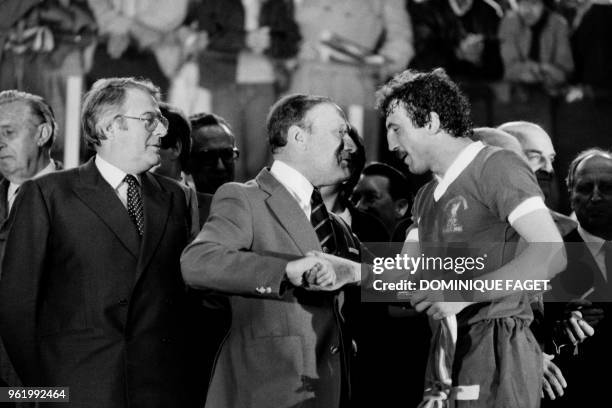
(131, 180)
(315, 198)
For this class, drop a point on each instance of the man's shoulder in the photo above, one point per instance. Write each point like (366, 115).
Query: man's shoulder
(60, 177)
(251, 189)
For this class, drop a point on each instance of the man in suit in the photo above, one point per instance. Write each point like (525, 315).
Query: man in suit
(27, 132)
(588, 277)
(286, 346)
(97, 303)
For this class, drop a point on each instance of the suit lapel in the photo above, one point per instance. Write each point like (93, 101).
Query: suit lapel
(100, 197)
(581, 261)
(4, 185)
(288, 212)
(156, 211)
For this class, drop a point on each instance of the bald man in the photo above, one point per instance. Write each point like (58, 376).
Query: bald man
(540, 152)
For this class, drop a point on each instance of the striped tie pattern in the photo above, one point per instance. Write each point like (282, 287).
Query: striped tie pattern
(134, 203)
(321, 222)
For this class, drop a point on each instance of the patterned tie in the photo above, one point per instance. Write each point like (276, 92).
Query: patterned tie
(134, 203)
(321, 222)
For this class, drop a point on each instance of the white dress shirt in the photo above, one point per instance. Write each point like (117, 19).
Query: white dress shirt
(295, 182)
(13, 188)
(114, 176)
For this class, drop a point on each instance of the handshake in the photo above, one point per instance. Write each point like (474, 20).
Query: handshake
(323, 272)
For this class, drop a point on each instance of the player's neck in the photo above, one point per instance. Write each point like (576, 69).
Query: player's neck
(447, 153)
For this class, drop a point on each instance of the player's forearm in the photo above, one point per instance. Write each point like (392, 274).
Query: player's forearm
(539, 261)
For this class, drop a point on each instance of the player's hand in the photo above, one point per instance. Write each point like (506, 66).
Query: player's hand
(345, 270)
(553, 381)
(299, 271)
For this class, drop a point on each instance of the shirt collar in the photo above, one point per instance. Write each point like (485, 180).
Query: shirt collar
(593, 242)
(50, 168)
(465, 157)
(294, 182)
(113, 175)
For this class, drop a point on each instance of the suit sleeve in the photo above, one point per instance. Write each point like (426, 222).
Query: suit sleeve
(221, 258)
(22, 274)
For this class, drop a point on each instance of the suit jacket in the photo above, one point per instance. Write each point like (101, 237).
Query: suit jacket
(85, 303)
(204, 202)
(286, 346)
(585, 385)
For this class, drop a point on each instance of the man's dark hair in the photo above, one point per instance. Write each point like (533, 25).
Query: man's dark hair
(582, 156)
(179, 130)
(199, 120)
(399, 185)
(288, 111)
(421, 93)
(38, 108)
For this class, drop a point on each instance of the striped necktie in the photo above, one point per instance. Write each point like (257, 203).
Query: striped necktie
(321, 222)
(134, 203)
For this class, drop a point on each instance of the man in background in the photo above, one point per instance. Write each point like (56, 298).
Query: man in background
(540, 152)
(27, 131)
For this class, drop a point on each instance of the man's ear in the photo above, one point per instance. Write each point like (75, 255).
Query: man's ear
(433, 126)
(401, 207)
(296, 134)
(45, 133)
(110, 128)
(176, 150)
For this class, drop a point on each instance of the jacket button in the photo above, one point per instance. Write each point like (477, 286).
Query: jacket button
(123, 302)
(334, 349)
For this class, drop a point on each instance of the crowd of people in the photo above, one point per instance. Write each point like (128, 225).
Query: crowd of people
(212, 250)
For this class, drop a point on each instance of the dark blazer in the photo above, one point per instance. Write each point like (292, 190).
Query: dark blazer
(223, 20)
(204, 202)
(85, 303)
(286, 346)
(584, 383)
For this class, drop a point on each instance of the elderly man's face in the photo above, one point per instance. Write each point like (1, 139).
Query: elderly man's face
(329, 145)
(213, 157)
(591, 196)
(19, 141)
(135, 146)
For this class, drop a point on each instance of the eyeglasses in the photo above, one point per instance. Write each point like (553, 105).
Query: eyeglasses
(211, 157)
(151, 120)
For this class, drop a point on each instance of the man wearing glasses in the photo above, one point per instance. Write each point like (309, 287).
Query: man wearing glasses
(91, 295)
(213, 152)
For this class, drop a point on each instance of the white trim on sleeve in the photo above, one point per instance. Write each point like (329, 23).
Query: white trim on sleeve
(527, 206)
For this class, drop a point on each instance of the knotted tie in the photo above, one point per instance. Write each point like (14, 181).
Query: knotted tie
(134, 203)
(319, 218)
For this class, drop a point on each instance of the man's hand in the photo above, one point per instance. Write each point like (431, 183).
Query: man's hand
(301, 270)
(258, 40)
(345, 271)
(591, 314)
(553, 383)
(576, 328)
